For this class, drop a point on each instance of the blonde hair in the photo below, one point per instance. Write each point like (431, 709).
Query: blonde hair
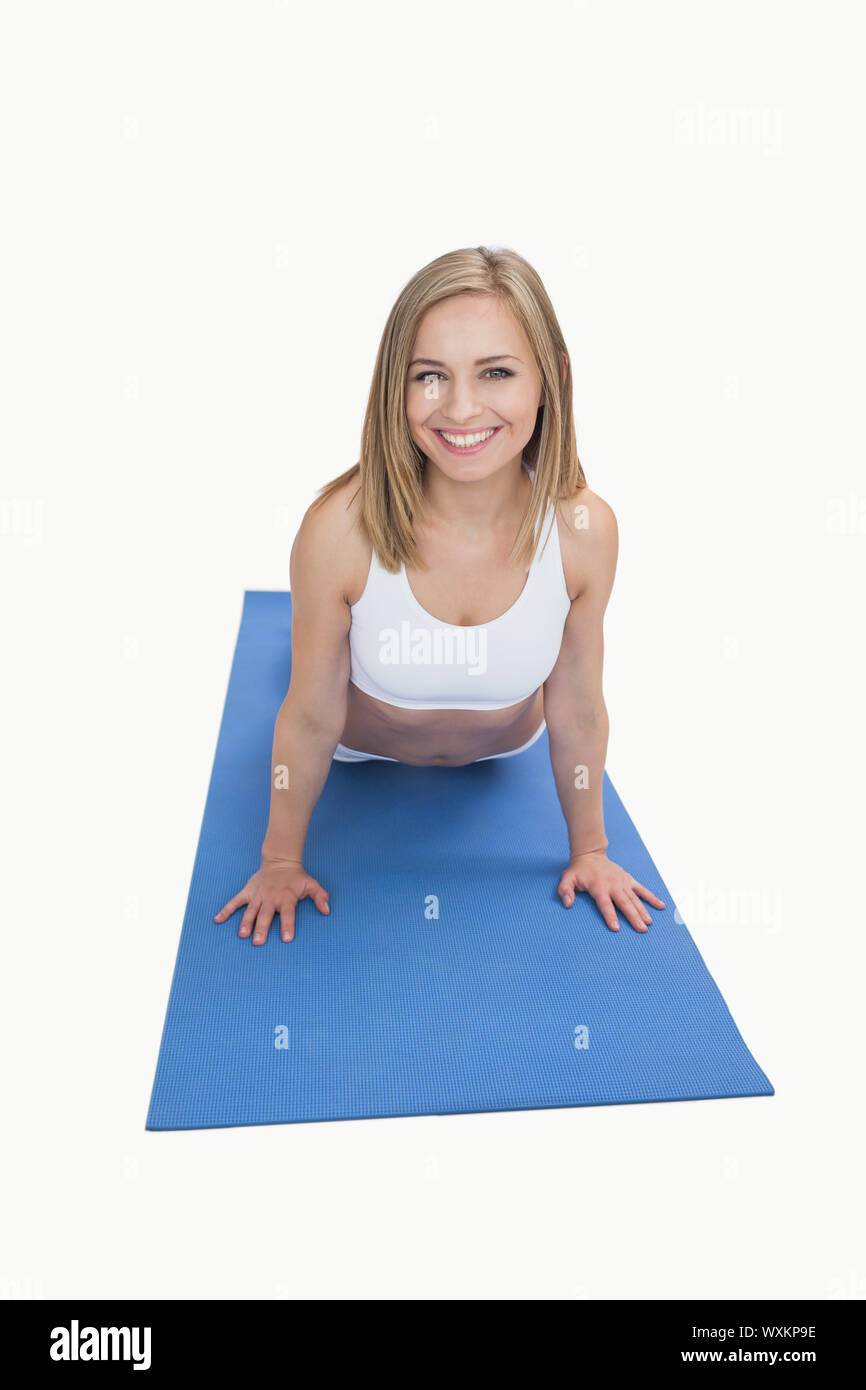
(390, 468)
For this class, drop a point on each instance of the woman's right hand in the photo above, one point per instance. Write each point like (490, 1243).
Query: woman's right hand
(275, 888)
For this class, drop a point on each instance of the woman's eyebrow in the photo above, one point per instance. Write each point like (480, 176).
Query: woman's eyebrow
(481, 361)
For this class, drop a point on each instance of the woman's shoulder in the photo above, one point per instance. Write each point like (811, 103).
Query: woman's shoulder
(331, 543)
(588, 538)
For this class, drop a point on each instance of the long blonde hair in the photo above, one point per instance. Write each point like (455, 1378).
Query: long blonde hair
(390, 468)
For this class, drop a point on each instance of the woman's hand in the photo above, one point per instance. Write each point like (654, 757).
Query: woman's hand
(275, 888)
(610, 886)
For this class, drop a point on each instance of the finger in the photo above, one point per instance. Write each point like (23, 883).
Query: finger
(320, 898)
(639, 907)
(319, 895)
(628, 909)
(249, 917)
(231, 907)
(645, 893)
(287, 919)
(566, 891)
(263, 925)
(608, 911)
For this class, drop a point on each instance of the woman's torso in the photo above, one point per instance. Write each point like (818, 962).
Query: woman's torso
(493, 611)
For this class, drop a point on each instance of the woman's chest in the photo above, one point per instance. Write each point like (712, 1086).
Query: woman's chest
(466, 589)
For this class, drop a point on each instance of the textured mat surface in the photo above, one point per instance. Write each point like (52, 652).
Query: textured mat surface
(505, 1000)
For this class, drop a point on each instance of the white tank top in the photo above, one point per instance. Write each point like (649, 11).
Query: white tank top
(402, 655)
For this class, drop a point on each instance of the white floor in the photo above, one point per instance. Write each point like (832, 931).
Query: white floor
(213, 212)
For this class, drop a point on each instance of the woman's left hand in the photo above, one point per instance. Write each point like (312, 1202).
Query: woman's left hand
(610, 886)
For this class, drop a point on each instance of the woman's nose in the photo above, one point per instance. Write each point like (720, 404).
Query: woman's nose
(464, 405)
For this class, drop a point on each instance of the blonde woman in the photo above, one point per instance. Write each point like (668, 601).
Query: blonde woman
(448, 590)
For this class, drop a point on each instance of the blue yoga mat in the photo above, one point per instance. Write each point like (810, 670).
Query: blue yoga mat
(448, 976)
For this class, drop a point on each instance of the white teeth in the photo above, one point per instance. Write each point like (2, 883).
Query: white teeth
(466, 441)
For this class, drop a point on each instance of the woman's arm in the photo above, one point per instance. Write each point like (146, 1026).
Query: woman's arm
(310, 720)
(577, 720)
(574, 707)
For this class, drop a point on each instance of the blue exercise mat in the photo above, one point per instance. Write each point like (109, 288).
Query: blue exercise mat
(448, 976)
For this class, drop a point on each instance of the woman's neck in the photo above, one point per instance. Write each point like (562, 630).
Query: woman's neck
(488, 502)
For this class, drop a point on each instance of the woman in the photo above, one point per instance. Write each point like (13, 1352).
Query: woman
(448, 590)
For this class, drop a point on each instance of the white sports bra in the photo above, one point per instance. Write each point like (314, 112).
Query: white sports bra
(402, 655)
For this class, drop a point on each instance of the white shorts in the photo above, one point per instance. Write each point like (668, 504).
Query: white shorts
(342, 754)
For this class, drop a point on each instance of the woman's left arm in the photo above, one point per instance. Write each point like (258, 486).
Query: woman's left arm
(577, 720)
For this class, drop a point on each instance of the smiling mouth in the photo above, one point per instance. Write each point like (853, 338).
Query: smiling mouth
(465, 442)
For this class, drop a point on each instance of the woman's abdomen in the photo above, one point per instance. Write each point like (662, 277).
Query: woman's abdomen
(437, 736)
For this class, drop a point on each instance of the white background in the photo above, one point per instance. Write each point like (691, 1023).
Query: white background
(209, 210)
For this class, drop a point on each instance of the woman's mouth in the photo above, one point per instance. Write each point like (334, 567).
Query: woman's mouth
(466, 441)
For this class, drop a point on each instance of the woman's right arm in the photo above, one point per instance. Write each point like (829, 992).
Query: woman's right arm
(308, 725)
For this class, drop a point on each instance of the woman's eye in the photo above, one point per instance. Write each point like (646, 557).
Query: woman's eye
(502, 373)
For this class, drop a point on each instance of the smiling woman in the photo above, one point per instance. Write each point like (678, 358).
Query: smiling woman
(448, 590)
(471, 344)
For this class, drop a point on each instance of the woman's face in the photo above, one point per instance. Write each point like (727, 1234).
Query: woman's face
(472, 373)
